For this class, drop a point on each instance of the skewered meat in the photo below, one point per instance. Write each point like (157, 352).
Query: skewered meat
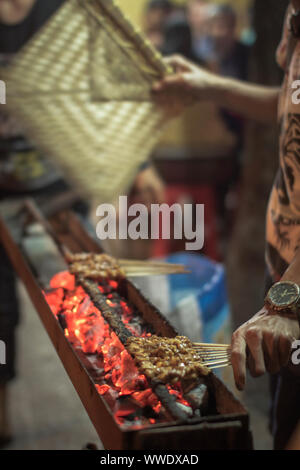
(167, 360)
(94, 266)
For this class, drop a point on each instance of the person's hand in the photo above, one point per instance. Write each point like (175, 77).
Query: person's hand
(148, 188)
(189, 84)
(263, 344)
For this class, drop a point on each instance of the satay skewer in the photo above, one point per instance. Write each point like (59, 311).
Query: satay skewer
(132, 268)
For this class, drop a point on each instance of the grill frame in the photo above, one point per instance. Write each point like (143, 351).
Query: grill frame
(228, 430)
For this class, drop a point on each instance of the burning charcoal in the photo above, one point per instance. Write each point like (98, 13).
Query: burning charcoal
(129, 374)
(199, 398)
(186, 409)
(148, 401)
(96, 365)
(63, 279)
(124, 408)
(142, 397)
(89, 314)
(149, 413)
(111, 396)
(102, 389)
(55, 299)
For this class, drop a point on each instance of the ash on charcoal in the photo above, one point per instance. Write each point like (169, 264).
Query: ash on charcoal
(199, 398)
(188, 411)
(124, 408)
(138, 417)
(111, 397)
(95, 366)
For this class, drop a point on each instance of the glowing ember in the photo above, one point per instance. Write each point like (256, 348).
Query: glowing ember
(119, 381)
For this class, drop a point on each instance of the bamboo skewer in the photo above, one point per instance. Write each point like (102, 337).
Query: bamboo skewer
(217, 356)
(213, 348)
(216, 364)
(213, 355)
(140, 268)
(150, 267)
(147, 269)
(136, 262)
(220, 366)
(151, 273)
(215, 345)
(131, 268)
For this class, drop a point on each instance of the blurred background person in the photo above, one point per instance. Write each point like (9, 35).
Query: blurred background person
(248, 34)
(215, 45)
(226, 55)
(24, 171)
(208, 34)
(198, 13)
(155, 17)
(229, 57)
(177, 35)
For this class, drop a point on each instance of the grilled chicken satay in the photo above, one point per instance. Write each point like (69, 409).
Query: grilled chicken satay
(167, 360)
(94, 266)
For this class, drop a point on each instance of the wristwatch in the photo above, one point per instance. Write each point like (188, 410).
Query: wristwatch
(284, 298)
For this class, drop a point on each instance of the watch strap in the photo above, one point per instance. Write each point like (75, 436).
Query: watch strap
(287, 313)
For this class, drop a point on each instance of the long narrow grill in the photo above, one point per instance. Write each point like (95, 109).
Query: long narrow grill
(100, 301)
(95, 358)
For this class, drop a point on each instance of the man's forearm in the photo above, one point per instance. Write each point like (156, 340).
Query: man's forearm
(255, 102)
(293, 272)
(190, 83)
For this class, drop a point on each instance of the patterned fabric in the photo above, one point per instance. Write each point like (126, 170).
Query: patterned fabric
(283, 217)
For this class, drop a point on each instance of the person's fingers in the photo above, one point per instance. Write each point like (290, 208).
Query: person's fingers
(178, 63)
(238, 359)
(284, 349)
(159, 195)
(254, 339)
(171, 81)
(250, 362)
(271, 349)
(160, 99)
(158, 86)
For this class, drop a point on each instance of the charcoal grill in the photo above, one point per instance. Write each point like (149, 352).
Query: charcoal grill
(226, 428)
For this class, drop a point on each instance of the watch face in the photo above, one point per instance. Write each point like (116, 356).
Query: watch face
(284, 294)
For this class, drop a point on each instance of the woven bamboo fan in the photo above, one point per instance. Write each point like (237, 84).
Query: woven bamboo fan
(81, 88)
